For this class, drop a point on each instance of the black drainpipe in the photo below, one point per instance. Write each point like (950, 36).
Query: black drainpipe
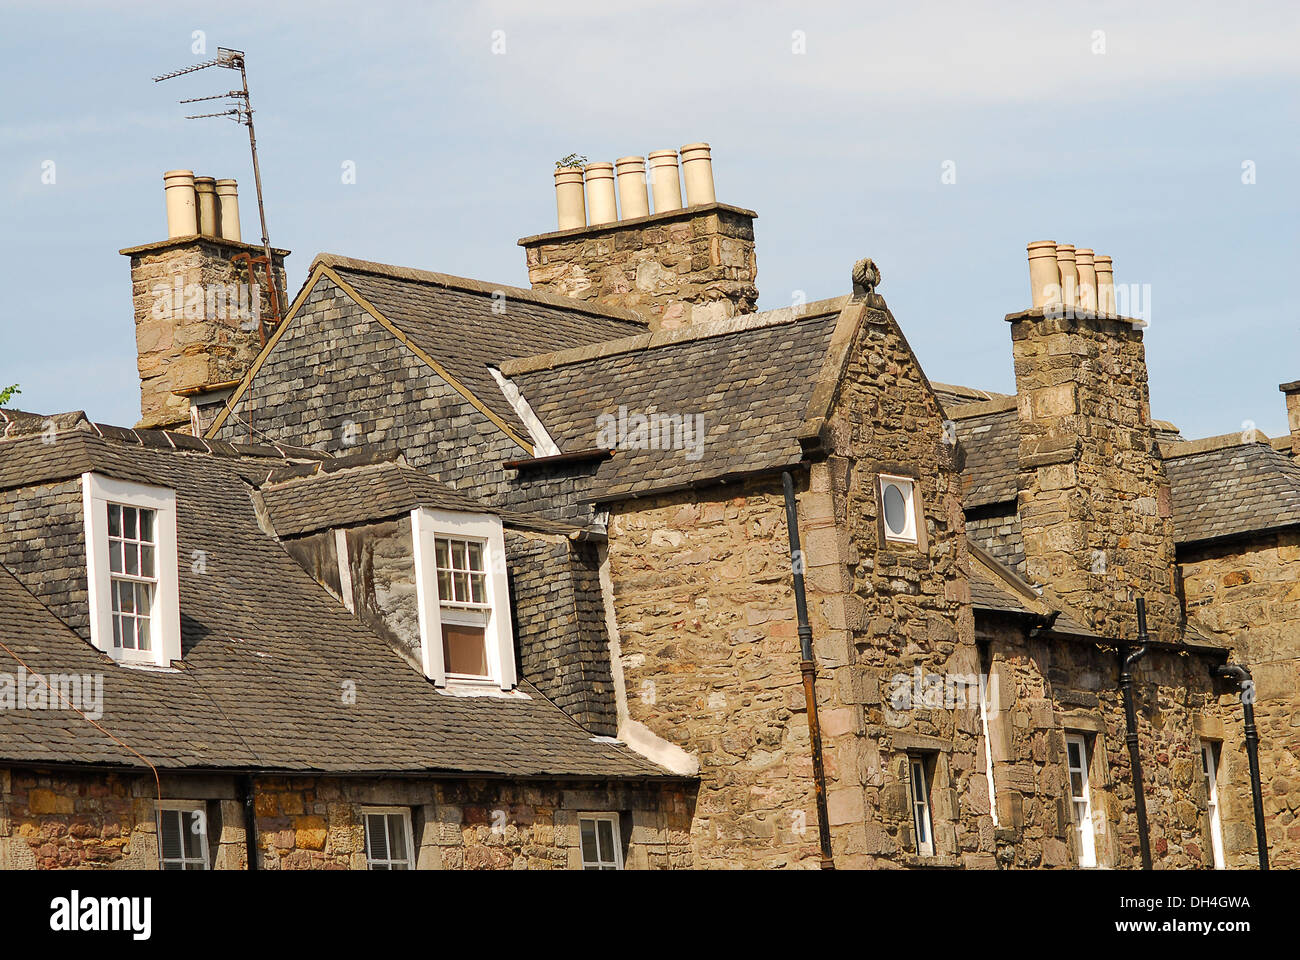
(808, 668)
(250, 821)
(1234, 671)
(1128, 657)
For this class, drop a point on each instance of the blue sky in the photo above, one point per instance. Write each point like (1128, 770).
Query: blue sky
(1136, 151)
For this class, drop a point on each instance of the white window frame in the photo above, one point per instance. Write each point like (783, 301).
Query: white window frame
(163, 807)
(1083, 828)
(386, 812)
(922, 819)
(1210, 773)
(907, 486)
(611, 818)
(97, 492)
(988, 746)
(426, 526)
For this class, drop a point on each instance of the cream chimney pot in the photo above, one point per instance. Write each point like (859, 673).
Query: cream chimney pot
(569, 203)
(1105, 286)
(1087, 279)
(1044, 277)
(632, 198)
(182, 209)
(664, 180)
(228, 209)
(601, 205)
(697, 171)
(1069, 274)
(205, 191)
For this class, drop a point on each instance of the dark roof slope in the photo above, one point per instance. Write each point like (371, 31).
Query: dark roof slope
(320, 501)
(1232, 490)
(991, 445)
(747, 382)
(269, 655)
(465, 328)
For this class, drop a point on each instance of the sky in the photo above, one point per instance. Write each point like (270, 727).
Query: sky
(936, 138)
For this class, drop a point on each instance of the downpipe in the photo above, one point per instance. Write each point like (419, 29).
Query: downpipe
(1234, 671)
(809, 670)
(1128, 657)
(250, 821)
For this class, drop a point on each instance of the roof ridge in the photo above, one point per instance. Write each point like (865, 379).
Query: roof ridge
(470, 285)
(664, 338)
(981, 408)
(1189, 448)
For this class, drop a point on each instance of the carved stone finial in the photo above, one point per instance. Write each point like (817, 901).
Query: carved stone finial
(866, 277)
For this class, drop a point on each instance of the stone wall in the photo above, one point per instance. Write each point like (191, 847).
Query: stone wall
(1041, 688)
(193, 319)
(1094, 498)
(54, 820)
(1247, 594)
(676, 268)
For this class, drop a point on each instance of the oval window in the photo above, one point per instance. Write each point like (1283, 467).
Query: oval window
(895, 510)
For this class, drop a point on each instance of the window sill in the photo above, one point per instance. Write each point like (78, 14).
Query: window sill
(937, 862)
(480, 688)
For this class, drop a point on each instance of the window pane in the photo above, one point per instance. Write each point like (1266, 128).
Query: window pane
(115, 556)
(1072, 748)
(146, 561)
(146, 526)
(444, 585)
(895, 509)
(143, 631)
(440, 553)
(125, 596)
(114, 520)
(170, 841)
(131, 559)
(143, 599)
(478, 594)
(129, 522)
(459, 560)
(460, 585)
(605, 838)
(464, 650)
(476, 556)
(397, 837)
(376, 840)
(193, 824)
(589, 842)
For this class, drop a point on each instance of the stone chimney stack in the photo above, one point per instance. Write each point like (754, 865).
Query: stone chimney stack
(1292, 392)
(674, 266)
(1093, 494)
(196, 310)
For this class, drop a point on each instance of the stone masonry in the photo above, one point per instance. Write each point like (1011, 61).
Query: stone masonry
(1094, 497)
(195, 320)
(676, 268)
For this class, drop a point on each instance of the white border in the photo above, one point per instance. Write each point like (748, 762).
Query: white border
(425, 525)
(908, 486)
(613, 818)
(97, 491)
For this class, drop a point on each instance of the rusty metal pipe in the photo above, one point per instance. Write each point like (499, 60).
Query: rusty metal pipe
(808, 668)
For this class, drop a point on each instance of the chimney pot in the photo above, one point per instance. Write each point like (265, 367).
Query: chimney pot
(1087, 279)
(182, 208)
(228, 209)
(601, 205)
(205, 191)
(569, 202)
(1044, 277)
(663, 177)
(697, 170)
(632, 199)
(1105, 285)
(1069, 274)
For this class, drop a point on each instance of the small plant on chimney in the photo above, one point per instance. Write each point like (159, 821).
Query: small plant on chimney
(8, 393)
(572, 160)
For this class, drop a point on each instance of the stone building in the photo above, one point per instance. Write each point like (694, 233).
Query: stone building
(465, 575)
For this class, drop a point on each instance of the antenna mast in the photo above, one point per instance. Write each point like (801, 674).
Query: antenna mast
(241, 111)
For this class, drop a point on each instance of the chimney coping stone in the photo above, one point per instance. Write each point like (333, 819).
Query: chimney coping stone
(685, 213)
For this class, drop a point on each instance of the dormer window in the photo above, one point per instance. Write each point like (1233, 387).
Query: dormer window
(132, 570)
(460, 575)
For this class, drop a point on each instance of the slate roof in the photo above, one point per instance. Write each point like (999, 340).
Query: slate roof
(750, 380)
(341, 498)
(1232, 490)
(267, 655)
(991, 445)
(462, 325)
(995, 587)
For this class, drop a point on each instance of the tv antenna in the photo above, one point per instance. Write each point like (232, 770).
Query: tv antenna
(240, 109)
